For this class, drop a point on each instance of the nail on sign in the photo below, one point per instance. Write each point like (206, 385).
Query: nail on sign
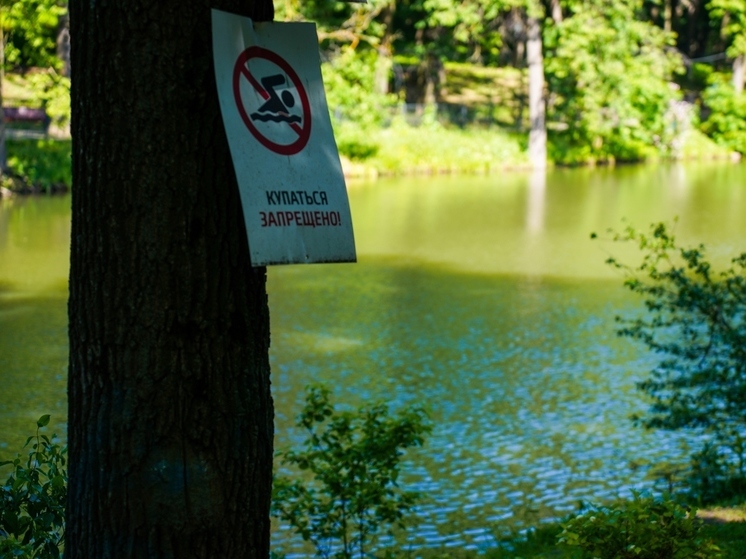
(277, 122)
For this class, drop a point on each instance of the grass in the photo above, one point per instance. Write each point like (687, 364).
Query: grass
(697, 146)
(434, 149)
(726, 526)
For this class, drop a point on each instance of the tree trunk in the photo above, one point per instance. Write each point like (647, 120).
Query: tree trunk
(537, 140)
(556, 9)
(170, 412)
(667, 15)
(63, 44)
(738, 73)
(3, 151)
(385, 59)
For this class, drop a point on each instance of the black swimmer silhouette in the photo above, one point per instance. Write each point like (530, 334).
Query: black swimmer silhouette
(276, 108)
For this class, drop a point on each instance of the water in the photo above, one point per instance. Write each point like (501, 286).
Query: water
(482, 297)
(34, 247)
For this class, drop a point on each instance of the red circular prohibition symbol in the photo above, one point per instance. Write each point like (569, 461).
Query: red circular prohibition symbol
(241, 69)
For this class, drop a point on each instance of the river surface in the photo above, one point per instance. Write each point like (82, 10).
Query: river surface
(483, 298)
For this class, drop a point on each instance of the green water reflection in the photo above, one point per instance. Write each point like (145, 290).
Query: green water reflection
(528, 224)
(34, 255)
(482, 297)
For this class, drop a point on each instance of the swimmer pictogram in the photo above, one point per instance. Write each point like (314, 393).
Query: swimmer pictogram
(270, 121)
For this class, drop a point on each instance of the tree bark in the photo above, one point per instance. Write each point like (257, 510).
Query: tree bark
(170, 411)
(537, 140)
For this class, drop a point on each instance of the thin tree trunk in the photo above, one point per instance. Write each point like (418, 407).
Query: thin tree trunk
(739, 66)
(385, 52)
(3, 152)
(537, 140)
(556, 9)
(63, 44)
(667, 15)
(170, 412)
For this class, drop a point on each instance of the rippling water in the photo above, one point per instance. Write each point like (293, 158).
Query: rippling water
(487, 300)
(482, 298)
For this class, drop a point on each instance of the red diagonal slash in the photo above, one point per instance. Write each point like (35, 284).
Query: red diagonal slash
(241, 70)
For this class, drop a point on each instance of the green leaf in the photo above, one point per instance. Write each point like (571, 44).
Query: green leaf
(43, 421)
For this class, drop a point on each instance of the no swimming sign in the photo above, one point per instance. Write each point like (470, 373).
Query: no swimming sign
(280, 135)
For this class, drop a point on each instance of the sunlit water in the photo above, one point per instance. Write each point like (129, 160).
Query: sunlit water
(483, 298)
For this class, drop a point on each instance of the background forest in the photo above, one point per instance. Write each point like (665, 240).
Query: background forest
(492, 81)
(478, 85)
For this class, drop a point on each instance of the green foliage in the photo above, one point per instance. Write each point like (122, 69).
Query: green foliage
(51, 91)
(696, 321)
(349, 82)
(730, 537)
(355, 143)
(31, 30)
(535, 542)
(726, 122)
(733, 23)
(32, 500)
(643, 528)
(699, 146)
(436, 149)
(609, 75)
(42, 163)
(353, 461)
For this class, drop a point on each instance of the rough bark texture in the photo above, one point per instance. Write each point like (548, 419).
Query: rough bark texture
(170, 412)
(537, 139)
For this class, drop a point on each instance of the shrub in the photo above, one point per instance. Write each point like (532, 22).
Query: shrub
(643, 528)
(43, 163)
(32, 500)
(726, 122)
(353, 460)
(696, 321)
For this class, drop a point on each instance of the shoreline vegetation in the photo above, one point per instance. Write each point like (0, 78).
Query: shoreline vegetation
(42, 166)
(405, 140)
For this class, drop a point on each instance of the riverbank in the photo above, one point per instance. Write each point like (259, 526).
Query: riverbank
(37, 167)
(430, 148)
(724, 526)
(434, 149)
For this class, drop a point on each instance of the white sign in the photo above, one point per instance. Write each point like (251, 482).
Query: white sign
(277, 122)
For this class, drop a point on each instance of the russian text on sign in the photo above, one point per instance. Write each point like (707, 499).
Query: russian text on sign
(277, 122)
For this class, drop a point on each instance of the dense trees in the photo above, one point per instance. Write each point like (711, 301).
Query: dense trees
(170, 413)
(602, 100)
(30, 29)
(616, 72)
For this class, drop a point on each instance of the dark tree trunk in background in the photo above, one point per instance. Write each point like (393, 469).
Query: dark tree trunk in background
(170, 412)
